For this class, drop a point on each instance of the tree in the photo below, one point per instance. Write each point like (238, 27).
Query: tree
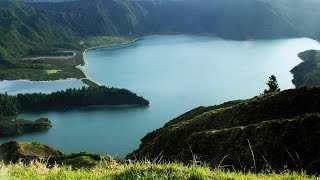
(272, 84)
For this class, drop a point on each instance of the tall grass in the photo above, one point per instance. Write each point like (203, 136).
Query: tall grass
(137, 170)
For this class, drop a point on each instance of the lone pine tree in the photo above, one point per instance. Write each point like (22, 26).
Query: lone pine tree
(272, 84)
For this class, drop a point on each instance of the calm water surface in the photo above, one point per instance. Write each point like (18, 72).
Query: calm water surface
(176, 73)
(25, 86)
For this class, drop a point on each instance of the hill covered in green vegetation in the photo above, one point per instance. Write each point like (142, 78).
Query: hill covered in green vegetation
(276, 131)
(24, 29)
(28, 33)
(248, 19)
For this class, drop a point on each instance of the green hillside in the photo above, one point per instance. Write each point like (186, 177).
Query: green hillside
(96, 17)
(24, 30)
(281, 129)
(240, 20)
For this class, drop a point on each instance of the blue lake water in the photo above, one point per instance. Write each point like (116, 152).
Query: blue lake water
(25, 86)
(176, 73)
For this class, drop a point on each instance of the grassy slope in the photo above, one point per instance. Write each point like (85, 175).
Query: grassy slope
(24, 29)
(144, 170)
(277, 125)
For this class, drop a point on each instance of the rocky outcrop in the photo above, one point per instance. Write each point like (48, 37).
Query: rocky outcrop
(9, 128)
(307, 73)
(15, 152)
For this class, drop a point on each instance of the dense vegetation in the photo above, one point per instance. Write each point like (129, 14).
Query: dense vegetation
(8, 106)
(280, 129)
(92, 96)
(94, 166)
(307, 73)
(87, 96)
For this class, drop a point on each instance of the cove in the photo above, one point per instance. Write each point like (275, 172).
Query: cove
(177, 74)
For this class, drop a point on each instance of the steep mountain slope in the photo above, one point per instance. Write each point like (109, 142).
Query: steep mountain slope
(24, 29)
(281, 129)
(228, 19)
(96, 17)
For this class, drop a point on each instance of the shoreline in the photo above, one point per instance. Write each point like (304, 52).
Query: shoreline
(85, 63)
(113, 106)
(86, 80)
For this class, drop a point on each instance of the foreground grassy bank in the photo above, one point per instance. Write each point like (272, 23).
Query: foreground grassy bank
(138, 170)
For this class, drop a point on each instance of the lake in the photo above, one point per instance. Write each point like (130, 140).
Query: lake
(177, 74)
(25, 86)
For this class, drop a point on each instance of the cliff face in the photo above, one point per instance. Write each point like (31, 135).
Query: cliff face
(281, 130)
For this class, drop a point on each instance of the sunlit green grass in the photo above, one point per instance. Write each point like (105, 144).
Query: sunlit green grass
(52, 71)
(141, 170)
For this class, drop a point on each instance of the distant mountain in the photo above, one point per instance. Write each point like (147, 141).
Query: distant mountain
(229, 18)
(96, 17)
(49, 0)
(304, 14)
(34, 25)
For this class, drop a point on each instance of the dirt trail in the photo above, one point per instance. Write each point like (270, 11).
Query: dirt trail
(52, 57)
